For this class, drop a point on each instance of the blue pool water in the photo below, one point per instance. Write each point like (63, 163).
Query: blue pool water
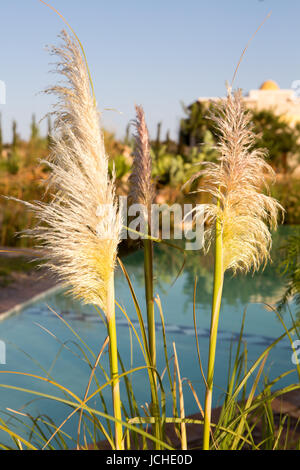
(38, 342)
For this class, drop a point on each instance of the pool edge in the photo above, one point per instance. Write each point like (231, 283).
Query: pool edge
(19, 307)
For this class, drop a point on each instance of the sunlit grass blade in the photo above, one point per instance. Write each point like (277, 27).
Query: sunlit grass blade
(181, 402)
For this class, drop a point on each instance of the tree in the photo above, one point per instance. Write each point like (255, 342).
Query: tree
(277, 136)
(193, 128)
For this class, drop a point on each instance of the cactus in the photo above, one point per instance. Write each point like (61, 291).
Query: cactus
(15, 137)
(34, 130)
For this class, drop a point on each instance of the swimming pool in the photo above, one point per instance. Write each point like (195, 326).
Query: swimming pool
(38, 342)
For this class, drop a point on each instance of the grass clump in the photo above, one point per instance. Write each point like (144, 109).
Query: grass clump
(79, 229)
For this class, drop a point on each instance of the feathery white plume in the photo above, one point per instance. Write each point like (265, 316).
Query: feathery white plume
(236, 182)
(79, 229)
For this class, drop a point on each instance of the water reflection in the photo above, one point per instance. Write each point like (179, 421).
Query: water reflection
(240, 292)
(264, 286)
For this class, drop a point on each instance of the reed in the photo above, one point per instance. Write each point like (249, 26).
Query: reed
(238, 222)
(79, 229)
(142, 192)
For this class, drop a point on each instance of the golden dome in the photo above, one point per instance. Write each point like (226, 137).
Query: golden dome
(269, 85)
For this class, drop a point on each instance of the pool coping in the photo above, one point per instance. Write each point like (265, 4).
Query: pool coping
(21, 306)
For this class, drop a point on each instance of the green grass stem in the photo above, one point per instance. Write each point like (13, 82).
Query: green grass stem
(148, 273)
(113, 359)
(216, 304)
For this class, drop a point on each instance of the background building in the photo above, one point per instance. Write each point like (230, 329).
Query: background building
(284, 102)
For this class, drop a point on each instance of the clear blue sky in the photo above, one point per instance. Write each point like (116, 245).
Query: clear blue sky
(151, 52)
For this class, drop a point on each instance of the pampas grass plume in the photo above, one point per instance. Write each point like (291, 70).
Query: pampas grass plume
(79, 229)
(141, 187)
(235, 183)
